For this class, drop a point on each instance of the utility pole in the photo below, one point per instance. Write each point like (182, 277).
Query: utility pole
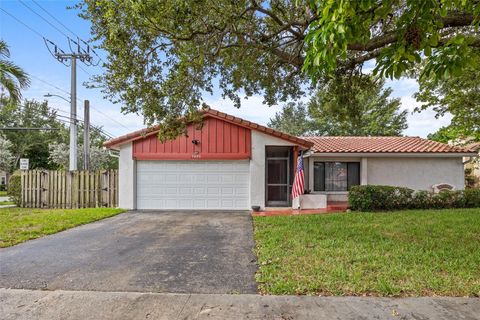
(73, 115)
(85, 57)
(86, 135)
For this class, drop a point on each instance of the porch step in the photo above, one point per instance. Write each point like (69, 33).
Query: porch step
(337, 205)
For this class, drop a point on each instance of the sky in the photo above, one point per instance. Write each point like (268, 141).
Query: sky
(24, 33)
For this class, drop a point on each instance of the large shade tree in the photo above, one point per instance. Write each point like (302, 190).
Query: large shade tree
(458, 96)
(397, 33)
(346, 106)
(164, 56)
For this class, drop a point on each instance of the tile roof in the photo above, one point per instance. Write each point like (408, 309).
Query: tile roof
(381, 145)
(474, 147)
(209, 112)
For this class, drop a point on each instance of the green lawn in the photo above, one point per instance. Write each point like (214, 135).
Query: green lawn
(403, 253)
(22, 224)
(3, 193)
(4, 203)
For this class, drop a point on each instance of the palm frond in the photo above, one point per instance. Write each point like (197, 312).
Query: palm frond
(12, 77)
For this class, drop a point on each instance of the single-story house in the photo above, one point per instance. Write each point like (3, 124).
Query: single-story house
(233, 164)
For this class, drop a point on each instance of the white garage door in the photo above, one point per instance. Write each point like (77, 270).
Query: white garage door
(192, 185)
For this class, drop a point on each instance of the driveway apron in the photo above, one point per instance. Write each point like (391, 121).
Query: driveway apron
(180, 252)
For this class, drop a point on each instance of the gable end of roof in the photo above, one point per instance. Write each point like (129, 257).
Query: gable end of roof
(208, 112)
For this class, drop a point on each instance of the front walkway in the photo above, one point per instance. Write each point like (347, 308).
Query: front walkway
(52, 305)
(332, 207)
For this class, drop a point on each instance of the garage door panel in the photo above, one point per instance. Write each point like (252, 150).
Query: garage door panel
(192, 184)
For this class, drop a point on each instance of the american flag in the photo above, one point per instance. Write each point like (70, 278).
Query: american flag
(299, 180)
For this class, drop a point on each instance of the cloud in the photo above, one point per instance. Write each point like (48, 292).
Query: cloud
(423, 123)
(252, 109)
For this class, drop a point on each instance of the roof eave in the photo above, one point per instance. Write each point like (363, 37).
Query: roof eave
(396, 154)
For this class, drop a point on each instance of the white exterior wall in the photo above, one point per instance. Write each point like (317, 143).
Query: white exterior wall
(126, 178)
(416, 173)
(193, 184)
(257, 165)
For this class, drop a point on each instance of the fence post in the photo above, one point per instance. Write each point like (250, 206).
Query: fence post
(24, 187)
(43, 189)
(30, 182)
(98, 189)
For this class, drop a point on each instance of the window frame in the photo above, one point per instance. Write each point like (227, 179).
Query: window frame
(324, 161)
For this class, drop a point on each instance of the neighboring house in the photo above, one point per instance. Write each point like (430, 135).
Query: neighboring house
(231, 163)
(472, 164)
(3, 180)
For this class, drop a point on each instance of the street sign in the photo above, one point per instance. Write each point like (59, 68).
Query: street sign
(24, 164)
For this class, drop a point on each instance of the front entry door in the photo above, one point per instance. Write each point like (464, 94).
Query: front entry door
(278, 176)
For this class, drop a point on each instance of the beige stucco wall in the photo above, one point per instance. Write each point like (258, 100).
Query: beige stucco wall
(257, 165)
(126, 178)
(416, 173)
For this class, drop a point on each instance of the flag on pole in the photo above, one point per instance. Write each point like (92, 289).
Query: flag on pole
(299, 180)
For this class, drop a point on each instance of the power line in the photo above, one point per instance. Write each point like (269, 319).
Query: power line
(69, 119)
(53, 17)
(65, 27)
(93, 108)
(45, 38)
(88, 73)
(41, 17)
(24, 129)
(24, 24)
(54, 86)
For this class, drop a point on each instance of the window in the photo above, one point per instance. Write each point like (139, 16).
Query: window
(3, 180)
(335, 176)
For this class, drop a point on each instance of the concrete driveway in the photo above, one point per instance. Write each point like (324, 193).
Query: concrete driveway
(181, 252)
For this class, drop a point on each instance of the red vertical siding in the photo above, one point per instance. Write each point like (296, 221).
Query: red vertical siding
(218, 140)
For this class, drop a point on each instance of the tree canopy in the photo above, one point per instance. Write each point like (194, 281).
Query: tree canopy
(38, 145)
(6, 156)
(293, 119)
(398, 34)
(458, 96)
(99, 157)
(164, 56)
(345, 106)
(32, 144)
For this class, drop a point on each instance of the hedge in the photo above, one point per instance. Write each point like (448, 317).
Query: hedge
(15, 188)
(374, 198)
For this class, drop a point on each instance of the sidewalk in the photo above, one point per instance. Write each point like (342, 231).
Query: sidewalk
(27, 304)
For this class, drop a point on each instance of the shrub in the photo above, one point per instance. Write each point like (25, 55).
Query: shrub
(15, 188)
(373, 198)
(472, 197)
(448, 199)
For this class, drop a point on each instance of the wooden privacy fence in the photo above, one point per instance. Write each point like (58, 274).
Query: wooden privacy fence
(69, 190)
